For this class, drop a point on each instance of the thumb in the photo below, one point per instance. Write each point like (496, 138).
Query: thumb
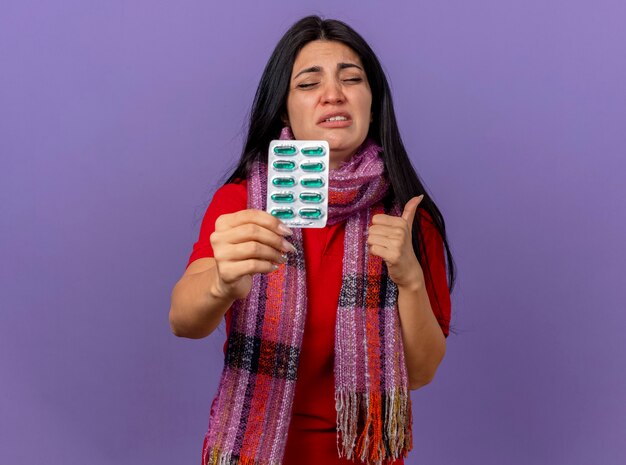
(410, 208)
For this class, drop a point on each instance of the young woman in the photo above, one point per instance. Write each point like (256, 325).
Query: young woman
(327, 329)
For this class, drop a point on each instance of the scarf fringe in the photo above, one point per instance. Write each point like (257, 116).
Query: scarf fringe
(381, 438)
(214, 456)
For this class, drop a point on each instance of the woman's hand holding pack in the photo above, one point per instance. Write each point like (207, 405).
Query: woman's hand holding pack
(244, 243)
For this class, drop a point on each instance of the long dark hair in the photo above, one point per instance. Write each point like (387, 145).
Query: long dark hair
(269, 109)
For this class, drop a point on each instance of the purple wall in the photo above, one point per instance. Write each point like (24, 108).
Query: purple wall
(118, 118)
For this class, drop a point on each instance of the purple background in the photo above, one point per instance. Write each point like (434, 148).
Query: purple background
(117, 119)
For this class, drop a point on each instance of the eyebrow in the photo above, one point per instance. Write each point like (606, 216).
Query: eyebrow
(318, 69)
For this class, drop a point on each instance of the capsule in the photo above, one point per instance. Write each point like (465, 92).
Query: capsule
(312, 166)
(311, 197)
(313, 151)
(284, 182)
(285, 150)
(312, 182)
(283, 213)
(310, 213)
(284, 165)
(283, 197)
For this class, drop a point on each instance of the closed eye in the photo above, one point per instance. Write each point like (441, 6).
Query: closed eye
(306, 85)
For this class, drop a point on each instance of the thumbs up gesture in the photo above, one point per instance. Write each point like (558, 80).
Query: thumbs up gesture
(389, 237)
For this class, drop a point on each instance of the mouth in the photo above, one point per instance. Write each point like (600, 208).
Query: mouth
(331, 117)
(335, 120)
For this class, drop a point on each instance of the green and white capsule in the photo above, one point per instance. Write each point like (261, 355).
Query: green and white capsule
(284, 165)
(310, 213)
(317, 151)
(284, 181)
(285, 150)
(283, 213)
(311, 197)
(312, 182)
(312, 166)
(283, 197)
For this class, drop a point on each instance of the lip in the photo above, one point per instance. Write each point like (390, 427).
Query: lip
(336, 113)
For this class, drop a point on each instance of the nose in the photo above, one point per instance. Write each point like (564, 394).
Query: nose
(333, 92)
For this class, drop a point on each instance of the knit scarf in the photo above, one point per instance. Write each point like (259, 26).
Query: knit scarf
(250, 414)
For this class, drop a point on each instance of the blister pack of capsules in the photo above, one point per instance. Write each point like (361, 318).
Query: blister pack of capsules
(297, 184)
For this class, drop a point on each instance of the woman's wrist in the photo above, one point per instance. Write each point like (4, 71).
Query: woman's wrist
(414, 283)
(218, 290)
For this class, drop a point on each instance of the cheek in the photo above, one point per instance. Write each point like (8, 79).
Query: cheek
(368, 106)
(365, 105)
(301, 112)
(294, 109)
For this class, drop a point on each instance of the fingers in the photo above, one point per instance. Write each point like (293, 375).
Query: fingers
(388, 249)
(252, 232)
(249, 242)
(388, 220)
(388, 242)
(407, 215)
(393, 232)
(397, 254)
(391, 256)
(232, 271)
(249, 251)
(251, 216)
(410, 208)
(384, 241)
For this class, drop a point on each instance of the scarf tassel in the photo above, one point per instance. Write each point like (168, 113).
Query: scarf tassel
(381, 439)
(213, 456)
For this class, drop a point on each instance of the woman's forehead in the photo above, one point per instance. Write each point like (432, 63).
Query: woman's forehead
(324, 52)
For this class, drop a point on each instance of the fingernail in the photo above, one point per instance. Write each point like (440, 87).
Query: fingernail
(285, 230)
(288, 247)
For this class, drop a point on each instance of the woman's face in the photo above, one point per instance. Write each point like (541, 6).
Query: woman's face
(330, 98)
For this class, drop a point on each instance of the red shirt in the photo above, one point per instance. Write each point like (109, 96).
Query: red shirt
(312, 434)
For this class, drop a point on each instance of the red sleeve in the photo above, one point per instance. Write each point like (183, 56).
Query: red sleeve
(229, 198)
(434, 267)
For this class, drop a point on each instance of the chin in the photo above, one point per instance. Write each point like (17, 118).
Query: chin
(344, 146)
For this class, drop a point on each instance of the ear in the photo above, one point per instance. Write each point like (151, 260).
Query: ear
(285, 119)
